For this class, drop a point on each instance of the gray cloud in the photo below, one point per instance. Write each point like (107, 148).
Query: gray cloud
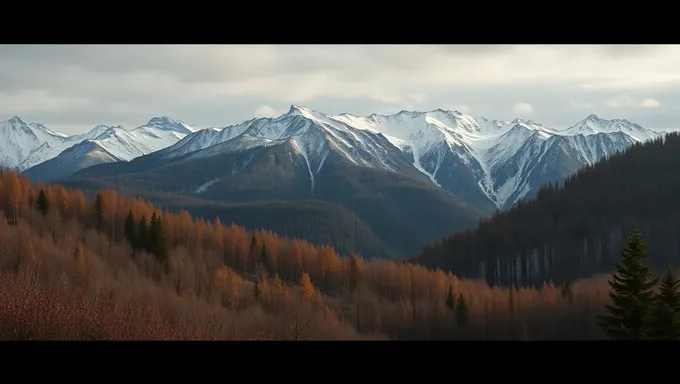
(75, 87)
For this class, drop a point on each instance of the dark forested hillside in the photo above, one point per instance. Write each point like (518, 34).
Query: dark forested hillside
(402, 209)
(108, 266)
(576, 229)
(318, 222)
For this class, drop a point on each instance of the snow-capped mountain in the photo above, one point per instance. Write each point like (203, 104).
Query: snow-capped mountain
(491, 163)
(23, 145)
(412, 177)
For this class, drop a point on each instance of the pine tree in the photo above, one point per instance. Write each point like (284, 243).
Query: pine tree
(98, 211)
(42, 202)
(665, 316)
(631, 293)
(159, 242)
(462, 314)
(130, 230)
(450, 299)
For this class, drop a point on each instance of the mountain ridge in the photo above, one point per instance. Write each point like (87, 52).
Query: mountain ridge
(470, 156)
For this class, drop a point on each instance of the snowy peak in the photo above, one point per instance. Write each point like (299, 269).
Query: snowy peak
(24, 145)
(594, 124)
(16, 121)
(167, 124)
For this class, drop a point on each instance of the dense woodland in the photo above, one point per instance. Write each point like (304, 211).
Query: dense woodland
(576, 229)
(116, 267)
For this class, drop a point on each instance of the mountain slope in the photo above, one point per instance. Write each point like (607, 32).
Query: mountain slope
(299, 156)
(494, 164)
(490, 164)
(73, 159)
(576, 230)
(102, 144)
(20, 141)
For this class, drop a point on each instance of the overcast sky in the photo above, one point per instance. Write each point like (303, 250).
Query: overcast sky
(73, 88)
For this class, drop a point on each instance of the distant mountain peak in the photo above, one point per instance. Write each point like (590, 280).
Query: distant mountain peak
(15, 120)
(161, 120)
(296, 109)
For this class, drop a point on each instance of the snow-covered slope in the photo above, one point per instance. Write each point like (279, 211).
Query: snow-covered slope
(82, 155)
(509, 160)
(24, 145)
(491, 163)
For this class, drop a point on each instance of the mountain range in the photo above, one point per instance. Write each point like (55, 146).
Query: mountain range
(52, 155)
(411, 177)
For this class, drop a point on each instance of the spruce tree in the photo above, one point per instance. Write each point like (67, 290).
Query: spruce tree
(43, 204)
(129, 229)
(462, 314)
(631, 294)
(152, 235)
(450, 299)
(665, 316)
(98, 211)
(157, 241)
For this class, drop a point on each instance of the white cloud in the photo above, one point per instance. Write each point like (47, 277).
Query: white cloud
(267, 111)
(85, 85)
(650, 103)
(523, 109)
(626, 101)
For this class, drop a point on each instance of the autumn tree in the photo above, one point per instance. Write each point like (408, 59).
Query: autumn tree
(462, 313)
(354, 271)
(306, 286)
(450, 299)
(631, 294)
(13, 193)
(42, 202)
(665, 314)
(98, 211)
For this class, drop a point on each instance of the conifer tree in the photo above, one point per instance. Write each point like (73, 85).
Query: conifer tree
(462, 313)
(129, 229)
(631, 293)
(665, 316)
(98, 211)
(42, 202)
(450, 299)
(157, 241)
